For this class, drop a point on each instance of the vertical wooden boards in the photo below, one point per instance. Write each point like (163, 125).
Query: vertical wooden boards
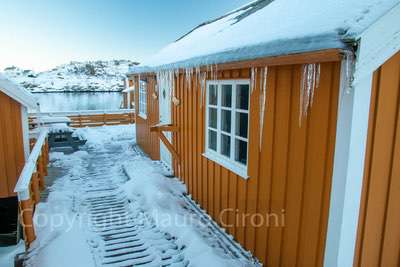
(12, 158)
(3, 152)
(148, 141)
(280, 212)
(378, 241)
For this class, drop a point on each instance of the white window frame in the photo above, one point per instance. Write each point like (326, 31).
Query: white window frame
(228, 162)
(143, 99)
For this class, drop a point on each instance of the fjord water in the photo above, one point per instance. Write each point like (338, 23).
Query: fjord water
(67, 101)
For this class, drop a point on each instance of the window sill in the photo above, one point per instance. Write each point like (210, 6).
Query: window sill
(241, 171)
(143, 116)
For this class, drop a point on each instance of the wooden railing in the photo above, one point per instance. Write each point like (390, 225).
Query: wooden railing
(159, 130)
(31, 182)
(91, 118)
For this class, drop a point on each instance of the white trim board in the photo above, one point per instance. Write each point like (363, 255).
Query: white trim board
(25, 131)
(228, 162)
(348, 170)
(377, 44)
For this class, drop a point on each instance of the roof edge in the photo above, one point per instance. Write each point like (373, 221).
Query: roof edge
(17, 93)
(277, 48)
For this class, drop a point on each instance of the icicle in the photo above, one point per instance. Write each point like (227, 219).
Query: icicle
(171, 83)
(165, 81)
(158, 79)
(312, 81)
(309, 82)
(192, 72)
(263, 100)
(302, 92)
(188, 77)
(318, 75)
(349, 71)
(203, 87)
(198, 73)
(174, 84)
(253, 79)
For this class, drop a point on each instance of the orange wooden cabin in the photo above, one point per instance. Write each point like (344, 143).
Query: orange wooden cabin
(14, 149)
(294, 150)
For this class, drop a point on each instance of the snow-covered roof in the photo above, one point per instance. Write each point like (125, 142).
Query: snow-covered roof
(266, 28)
(17, 93)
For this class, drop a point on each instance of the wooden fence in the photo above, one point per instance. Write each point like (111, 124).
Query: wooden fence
(91, 118)
(31, 182)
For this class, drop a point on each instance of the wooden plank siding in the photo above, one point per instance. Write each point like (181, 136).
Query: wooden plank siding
(289, 177)
(378, 242)
(148, 141)
(12, 158)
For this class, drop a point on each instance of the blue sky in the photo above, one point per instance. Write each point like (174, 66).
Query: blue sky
(40, 34)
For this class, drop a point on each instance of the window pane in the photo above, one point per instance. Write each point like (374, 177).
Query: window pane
(242, 96)
(226, 95)
(241, 151)
(242, 124)
(225, 145)
(212, 94)
(226, 120)
(212, 117)
(212, 140)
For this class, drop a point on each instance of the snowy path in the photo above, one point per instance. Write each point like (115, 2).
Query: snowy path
(122, 235)
(108, 219)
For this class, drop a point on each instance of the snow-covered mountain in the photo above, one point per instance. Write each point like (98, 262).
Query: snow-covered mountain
(73, 77)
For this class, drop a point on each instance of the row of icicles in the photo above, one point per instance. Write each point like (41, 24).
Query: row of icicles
(310, 81)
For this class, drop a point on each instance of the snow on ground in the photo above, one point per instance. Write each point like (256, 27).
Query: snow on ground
(161, 197)
(98, 136)
(64, 235)
(60, 237)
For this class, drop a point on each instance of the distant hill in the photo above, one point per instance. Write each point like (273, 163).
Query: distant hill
(87, 76)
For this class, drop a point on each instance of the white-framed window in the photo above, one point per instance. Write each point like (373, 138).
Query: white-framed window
(227, 124)
(143, 99)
